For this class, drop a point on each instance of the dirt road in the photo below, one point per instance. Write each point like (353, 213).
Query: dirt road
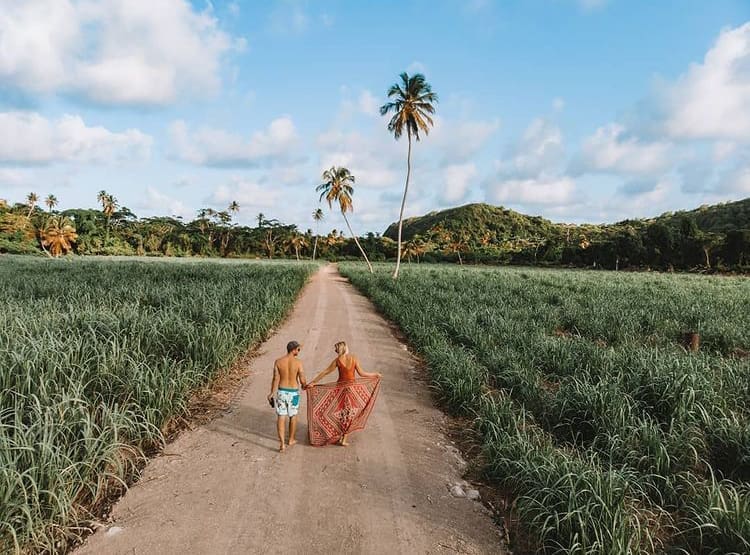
(224, 488)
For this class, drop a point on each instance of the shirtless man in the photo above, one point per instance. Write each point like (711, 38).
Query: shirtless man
(287, 373)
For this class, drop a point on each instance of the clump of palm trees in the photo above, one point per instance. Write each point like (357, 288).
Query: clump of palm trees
(54, 232)
(412, 103)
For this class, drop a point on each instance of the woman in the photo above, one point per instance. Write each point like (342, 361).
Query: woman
(345, 406)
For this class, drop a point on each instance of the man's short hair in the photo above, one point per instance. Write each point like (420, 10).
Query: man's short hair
(291, 346)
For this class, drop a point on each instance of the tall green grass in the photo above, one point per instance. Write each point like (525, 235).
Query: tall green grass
(96, 357)
(609, 436)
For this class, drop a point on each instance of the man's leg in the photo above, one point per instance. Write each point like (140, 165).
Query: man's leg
(281, 428)
(292, 430)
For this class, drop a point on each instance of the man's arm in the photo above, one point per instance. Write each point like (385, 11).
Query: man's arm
(274, 381)
(301, 377)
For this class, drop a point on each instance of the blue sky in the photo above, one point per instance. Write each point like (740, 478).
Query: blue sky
(577, 110)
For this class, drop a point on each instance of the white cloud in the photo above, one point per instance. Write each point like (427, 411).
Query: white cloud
(156, 202)
(375, 160)
(457, 179)
(533, 191)
(642, 196)
(712, 100)
(612, 150)
(289, 17)
(30, 138)
(368, 104)
(735, 182)
(696, 176)
(416, 67)
(249, 194)
(13, 178)
(112, 52)
(540, 150)
(217, 147)
(460, 142)
(723, 150)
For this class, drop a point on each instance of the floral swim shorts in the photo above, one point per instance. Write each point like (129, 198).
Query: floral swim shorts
(287, 402)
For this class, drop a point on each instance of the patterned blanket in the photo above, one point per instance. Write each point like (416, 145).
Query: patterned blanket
(339, 408)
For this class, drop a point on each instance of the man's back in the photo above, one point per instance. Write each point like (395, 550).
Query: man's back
(288, 367)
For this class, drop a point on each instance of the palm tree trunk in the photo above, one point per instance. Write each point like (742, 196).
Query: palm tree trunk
(296, 252)
(356, 241)
(315, 245)
(403, 203)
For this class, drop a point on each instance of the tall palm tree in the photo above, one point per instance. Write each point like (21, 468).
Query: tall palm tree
(234, 207)
(51, 202)
(318, 217)
(31, 200)
(59, 235)
(261, 219)
(411, 103)
(338, 187)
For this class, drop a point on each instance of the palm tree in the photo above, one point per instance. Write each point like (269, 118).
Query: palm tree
(234, 207)
(51, 202)
(338, 187)
(318, 217)
(261, 219)
(411, 104)
(297, 242)
(31, 200)
(109, 205)
(59, 235)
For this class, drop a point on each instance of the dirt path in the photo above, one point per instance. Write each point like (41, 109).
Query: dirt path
(224, 488)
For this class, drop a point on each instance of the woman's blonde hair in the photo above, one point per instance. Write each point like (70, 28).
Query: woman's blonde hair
(341, 348)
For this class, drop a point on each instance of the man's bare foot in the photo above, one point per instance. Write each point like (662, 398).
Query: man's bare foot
(344, 442)
(292, 442)
(282, 448)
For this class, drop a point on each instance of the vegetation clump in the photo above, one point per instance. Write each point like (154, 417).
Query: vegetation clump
(608, 435)
(97, 358)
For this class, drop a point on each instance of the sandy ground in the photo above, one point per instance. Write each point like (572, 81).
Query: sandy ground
(224, 488)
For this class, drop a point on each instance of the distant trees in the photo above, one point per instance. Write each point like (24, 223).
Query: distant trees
(700, 240)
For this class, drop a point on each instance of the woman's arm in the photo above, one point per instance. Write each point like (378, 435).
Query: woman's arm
(323, 374)
(364, 374)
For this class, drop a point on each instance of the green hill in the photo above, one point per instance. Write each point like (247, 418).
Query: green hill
(478, 218)
(502, 223)
(717, 218)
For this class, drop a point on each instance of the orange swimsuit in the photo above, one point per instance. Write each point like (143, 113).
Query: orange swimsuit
(346, 374)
